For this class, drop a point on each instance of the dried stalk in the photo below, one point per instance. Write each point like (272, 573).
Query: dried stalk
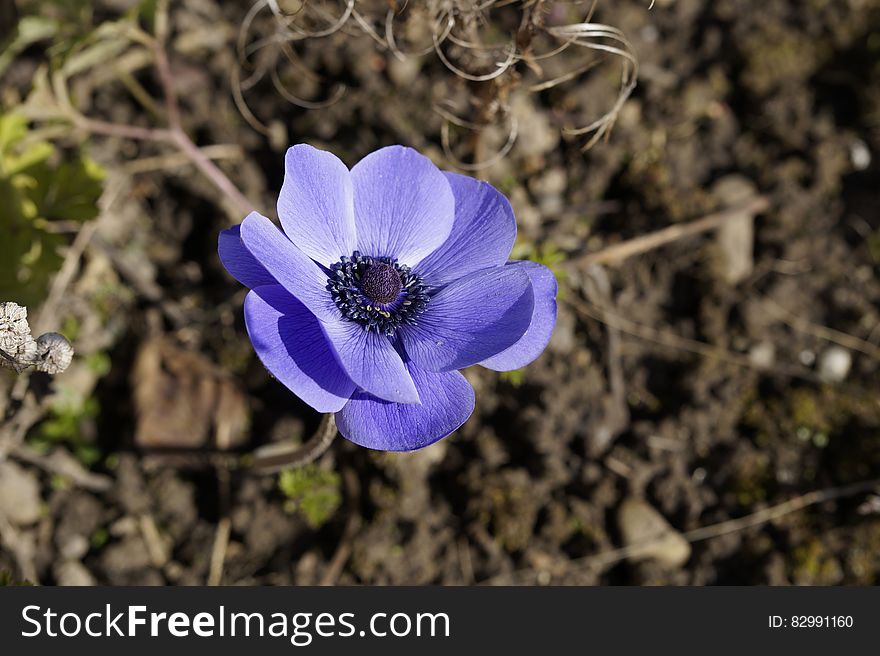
(619, 252)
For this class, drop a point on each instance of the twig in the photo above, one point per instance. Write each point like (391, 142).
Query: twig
(61, 463)
(63, 278)
(181, 140)
(166, 79)
(156, 547)
(606, 558)
(740, 523)
(212, 171)
(617, 253)
(218, 551)
(120, 130)
(143, 285)
(352, 525)
(224, 527)
(823, 332)
(671, 340)
(463, 551)
(178, 159)
(343, 552)
(12, 431)
(173, 135)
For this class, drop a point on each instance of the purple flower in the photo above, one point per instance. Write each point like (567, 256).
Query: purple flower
(386, 280)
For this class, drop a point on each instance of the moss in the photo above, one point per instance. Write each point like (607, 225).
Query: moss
(311, 491)
(813, 564)
(70, 422)
(547, 254)
(815, 415)
(99, 538)
(39, 186)
(777, 54)
(752, 479)
(513, 378)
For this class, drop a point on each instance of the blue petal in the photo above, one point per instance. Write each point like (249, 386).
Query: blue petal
(290, 266)
(316, 204)
(239, 262)
(447, 402)
(472, 319)
(482, 235)
(536, 338)
(371, 361)
(403, 205)
(291, 344)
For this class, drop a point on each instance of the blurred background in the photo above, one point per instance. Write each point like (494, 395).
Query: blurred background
(702, 177)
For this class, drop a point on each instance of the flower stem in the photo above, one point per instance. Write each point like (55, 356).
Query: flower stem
(274, 458)
(211, 171)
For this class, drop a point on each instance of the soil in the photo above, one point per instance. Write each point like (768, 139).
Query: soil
(782, 94)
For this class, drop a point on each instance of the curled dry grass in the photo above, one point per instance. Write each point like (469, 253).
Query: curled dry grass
(473, 41)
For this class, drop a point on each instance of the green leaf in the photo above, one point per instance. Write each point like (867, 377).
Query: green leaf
(71, 192)
(38, 185)
(31, 30)
(104, 44)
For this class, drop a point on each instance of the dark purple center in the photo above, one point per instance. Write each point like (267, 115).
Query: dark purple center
(377, 292)
(381, 283)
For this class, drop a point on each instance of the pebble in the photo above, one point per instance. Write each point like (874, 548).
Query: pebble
(404, 72)
(641, 524)
(763, 355)
(807, 358)
(75, 546)
(20, 498)
(859, 155)
(73, 573)
(834, 364)
(736, 236)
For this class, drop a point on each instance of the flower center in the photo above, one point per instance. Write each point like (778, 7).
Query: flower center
(381, 283)
(377, 292)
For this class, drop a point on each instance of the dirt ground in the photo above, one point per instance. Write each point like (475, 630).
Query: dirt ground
(727, 375)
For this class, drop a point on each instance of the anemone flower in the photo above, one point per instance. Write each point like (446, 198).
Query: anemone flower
(385, 281)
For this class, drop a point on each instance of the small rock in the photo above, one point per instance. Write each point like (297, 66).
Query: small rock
(834, 364)
(550, 189)
(75, 546)
(19, 494)
(73, 573)
(807, 358)
(642, 525)
(404, 72)
(736, 236)
(859, 155)
(763, 355)
(122, 558)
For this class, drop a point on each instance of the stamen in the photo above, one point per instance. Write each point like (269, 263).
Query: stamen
(377, 292)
